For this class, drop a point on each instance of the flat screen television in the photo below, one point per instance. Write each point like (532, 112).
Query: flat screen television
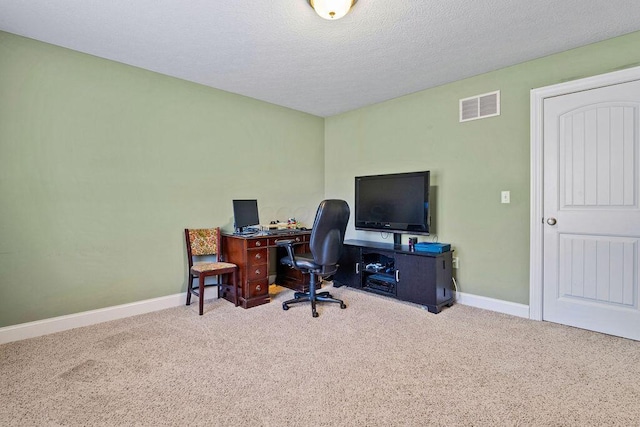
(395, 203)
(245, 214)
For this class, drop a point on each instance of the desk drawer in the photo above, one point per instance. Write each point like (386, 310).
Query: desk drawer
(273, 241)
(257, 243)
(257, 257)
(257, 288)
(257, 272)
(293, 279)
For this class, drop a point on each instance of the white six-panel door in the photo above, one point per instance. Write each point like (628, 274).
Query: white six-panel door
(591, 228)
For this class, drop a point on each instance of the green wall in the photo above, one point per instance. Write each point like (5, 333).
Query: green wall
(470, 162)
(103, 165)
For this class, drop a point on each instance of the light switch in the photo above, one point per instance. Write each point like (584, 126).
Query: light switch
(506, 196)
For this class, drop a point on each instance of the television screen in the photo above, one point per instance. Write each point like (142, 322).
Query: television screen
(245, 213)
(396, 202)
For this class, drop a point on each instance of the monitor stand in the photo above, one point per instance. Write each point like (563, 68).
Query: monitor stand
(245, 231)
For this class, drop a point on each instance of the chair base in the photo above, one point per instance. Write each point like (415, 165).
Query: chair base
(200, 295)
(199, 291)
(312, 297)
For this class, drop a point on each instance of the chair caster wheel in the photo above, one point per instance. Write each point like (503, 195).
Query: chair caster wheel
(343, 306)
(285, 307)
(314, 313)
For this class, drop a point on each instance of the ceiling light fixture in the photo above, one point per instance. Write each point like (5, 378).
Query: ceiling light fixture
(332, 9)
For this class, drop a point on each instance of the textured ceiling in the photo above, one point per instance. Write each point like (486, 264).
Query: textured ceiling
(281, 52)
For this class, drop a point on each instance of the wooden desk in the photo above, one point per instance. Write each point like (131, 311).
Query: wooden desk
(252, 256)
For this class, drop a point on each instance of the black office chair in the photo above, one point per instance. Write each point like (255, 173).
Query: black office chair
(327, 237)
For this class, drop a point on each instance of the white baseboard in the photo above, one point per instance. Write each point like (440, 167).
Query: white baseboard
(86, 318)
(500, 306)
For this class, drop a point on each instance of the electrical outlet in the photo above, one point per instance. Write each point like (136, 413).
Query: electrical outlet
(505, 197)
(456, 262)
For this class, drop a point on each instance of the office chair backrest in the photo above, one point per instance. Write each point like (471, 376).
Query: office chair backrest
(328, 231)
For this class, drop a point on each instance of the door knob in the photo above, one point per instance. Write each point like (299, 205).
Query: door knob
(551, 221)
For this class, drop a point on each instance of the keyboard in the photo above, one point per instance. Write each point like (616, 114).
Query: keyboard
(283, 232)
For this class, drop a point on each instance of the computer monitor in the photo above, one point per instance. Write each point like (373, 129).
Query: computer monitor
(245, 214)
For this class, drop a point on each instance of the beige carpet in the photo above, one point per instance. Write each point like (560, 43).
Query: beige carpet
(380, 362)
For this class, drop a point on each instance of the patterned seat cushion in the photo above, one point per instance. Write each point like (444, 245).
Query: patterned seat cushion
(200, 267)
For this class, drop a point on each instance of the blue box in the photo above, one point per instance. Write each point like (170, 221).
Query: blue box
(432, 247)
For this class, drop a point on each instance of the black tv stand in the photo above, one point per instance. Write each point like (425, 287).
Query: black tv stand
(395, 271)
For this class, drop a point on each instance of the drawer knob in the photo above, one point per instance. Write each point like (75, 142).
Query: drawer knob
(258, 256)
(258, 288)
(297, 239)
(258, 244)
(258, 272)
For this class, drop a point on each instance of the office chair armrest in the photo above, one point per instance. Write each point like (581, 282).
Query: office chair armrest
(288, 245)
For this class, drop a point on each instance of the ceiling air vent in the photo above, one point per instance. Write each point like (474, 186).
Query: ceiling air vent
(480, 106)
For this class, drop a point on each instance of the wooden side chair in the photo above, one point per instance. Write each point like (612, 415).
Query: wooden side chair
(207, 241)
